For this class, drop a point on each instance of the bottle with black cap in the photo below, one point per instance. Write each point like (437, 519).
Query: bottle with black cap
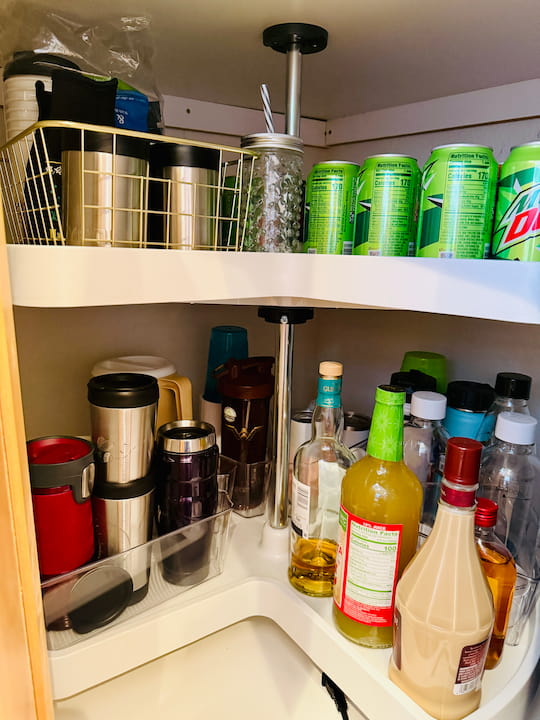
(123, 408)
(412, 381)
(467, 404)
(512, 393)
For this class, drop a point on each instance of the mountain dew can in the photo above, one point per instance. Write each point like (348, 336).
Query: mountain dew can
(387, 206)
(516, 230)
(457, 201)
(329, 208)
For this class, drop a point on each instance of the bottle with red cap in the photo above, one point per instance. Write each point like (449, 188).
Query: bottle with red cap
(500, 570)
(444, 612)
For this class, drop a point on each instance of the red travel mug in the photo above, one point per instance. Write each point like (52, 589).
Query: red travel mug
(62, 477)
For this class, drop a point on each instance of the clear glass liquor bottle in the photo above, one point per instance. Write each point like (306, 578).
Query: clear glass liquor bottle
(500, 571)
(318, 469)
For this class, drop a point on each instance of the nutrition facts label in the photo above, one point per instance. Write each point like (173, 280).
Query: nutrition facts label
(466, 217)
(368, 559)
(392, 209)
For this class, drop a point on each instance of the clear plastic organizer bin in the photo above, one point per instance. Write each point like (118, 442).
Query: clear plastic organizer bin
(66, 183)
(82, 603)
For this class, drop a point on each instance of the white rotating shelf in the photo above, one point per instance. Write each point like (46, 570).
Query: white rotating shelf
(254, 584)
(56, 276)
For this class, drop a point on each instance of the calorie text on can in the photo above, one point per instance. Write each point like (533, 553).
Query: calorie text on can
(386, 206)
(329, 208)
(457, 201)
(516, 230)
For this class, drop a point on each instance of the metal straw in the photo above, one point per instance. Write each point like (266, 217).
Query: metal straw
(267, 109)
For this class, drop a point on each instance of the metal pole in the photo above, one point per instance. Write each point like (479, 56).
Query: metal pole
(294, 89)
(282, 408)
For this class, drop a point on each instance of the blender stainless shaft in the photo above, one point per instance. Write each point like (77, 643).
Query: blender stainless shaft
(278, 500)
(294, 89)
(282, 410)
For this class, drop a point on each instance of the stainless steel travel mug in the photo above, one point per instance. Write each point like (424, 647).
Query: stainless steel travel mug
(123, 409)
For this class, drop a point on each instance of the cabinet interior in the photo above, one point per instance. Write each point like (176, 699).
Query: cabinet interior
(58, 347)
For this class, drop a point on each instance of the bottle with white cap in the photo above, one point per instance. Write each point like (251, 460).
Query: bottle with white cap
(509, 473)
(424, 448)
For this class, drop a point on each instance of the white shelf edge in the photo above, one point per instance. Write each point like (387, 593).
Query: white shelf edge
(63, 277)
(255, 583)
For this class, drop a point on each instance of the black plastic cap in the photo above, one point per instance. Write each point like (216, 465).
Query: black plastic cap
(27, 62)
(123, 390)
(469, 395)
(413, 380)
(164, 155)
(513, 385)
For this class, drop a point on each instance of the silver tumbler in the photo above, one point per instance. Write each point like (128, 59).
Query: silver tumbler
(123, 521)
(105, 189)
(185, 195)
(123, 409)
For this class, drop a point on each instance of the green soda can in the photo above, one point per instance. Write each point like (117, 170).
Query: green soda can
(387, 206)
(516, 230)
(457, 200)
(329, 208)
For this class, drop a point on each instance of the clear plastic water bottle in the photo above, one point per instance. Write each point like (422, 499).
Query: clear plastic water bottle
(508, 474)
(512, 392)
(424, 448)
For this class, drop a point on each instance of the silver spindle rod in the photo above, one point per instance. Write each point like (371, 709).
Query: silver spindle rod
(282, 403)
(294, 89)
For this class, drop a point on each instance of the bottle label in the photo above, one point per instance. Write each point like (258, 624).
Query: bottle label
(329, 392)
(367, 569)
(314, 509)
(471, 668)
(300, 500)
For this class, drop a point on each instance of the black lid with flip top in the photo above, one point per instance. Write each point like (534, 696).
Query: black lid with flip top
(513, 385)
(469, 395)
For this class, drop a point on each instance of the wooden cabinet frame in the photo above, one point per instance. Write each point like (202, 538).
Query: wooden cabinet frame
(25, 692)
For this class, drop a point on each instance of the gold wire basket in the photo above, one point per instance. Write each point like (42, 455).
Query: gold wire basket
(66, 183)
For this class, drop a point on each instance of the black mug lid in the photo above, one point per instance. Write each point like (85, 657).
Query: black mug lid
(98, 597)
(164, 155)
(124, 145)
(513, 385)
(123, 390)
(413, 380)
(469, 395)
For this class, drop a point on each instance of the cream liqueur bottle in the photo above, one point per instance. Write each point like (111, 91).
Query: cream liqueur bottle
(444, 608)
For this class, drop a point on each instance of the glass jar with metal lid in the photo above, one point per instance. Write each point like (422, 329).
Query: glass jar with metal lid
(274, 211)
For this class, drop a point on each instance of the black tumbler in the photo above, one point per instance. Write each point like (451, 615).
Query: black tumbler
(187, 491)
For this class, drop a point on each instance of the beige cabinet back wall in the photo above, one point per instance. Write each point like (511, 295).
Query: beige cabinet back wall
(58, 347)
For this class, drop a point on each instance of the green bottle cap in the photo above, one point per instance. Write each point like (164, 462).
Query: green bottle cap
(385, 440)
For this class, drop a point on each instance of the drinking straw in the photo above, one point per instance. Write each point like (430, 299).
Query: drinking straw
(267, 109)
